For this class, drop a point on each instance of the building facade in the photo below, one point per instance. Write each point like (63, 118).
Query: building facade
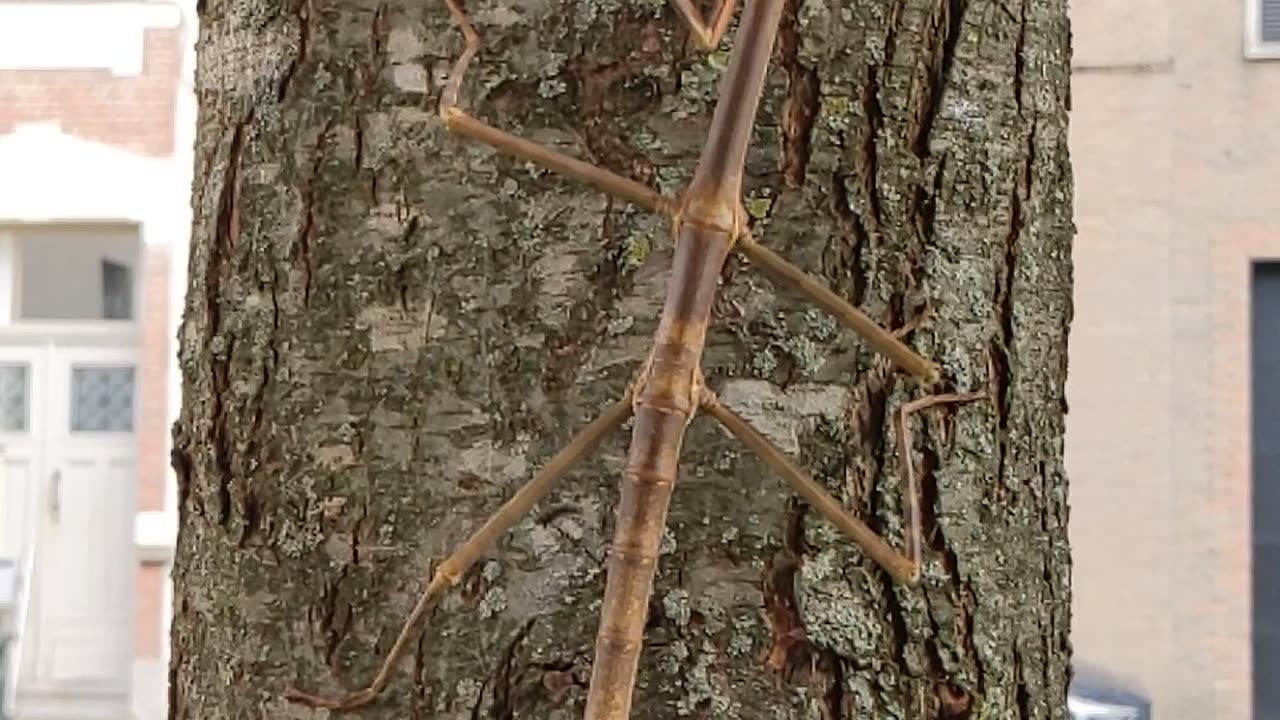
(96, 124)
(1175, 141)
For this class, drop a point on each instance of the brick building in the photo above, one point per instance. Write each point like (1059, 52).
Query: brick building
(1175, 141)
(96, 125)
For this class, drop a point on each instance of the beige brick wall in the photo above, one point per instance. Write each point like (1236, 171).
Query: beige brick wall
(1235, 250)
(1176, 148)
(1120, 372)
(134, 113)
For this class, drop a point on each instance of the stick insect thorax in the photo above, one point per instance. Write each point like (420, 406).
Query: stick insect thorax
(667, 391)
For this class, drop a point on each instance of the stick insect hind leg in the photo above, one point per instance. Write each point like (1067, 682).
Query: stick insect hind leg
(903, 567)
(449, 572)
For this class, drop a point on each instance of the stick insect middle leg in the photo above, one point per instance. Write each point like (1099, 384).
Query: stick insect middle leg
(449, 572)
(903, 566)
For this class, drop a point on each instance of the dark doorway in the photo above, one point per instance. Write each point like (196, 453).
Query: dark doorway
(1266, 491)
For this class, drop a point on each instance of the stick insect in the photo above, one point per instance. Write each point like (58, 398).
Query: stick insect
(708, 222)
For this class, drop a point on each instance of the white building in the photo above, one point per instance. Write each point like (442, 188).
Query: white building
(96, 123)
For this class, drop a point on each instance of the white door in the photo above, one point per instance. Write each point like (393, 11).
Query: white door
(75, 471)
(21, 446)
(91, 458)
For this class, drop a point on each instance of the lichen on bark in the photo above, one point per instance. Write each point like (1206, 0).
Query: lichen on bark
(389, 329)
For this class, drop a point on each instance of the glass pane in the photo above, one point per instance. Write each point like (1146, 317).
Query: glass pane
(1270, 26)
(13, 397)
(117, 291)
(102, 399)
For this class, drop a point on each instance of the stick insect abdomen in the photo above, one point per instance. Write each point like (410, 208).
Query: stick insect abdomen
(642, 513)
(666, 397)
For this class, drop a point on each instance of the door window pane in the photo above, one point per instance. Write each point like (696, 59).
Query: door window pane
(13, 397)
(102, 399)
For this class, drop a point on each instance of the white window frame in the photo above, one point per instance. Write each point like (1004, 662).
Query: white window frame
(1254, 47)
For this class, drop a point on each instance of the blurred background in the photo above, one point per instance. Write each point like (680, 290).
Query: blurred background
(1173, 440)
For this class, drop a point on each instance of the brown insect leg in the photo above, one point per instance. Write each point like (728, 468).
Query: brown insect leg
(880, 339)
(915, 534)
(707, 36)
(899, 567)
(449, 572)
(458, 121)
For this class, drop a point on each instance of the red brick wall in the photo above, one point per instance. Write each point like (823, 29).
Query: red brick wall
(133, 113)
(147, 630)
(153, 400)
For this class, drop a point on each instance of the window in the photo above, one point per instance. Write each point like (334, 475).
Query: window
(117, 291)
(79, 272)
(1262, 29)
(14, 396)
(102, 399)
(1265, 416)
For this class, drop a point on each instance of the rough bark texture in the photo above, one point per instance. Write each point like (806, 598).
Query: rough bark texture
(388, 329)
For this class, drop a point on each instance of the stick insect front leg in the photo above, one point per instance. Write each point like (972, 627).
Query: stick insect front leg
(881, 340)
(915, 539)
(449, 572)
(462, 123)
(707, 36)
(458, 121)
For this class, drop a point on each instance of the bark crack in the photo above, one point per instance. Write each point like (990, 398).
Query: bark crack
(870, 158)
(226, 237)
(302, 246)
(337, 616)
(400, 276)
(852, 222)
(1001, 345)
(942, 34)
(303, 11)
(1019, 61)
(800, 106)
(504, 680)
(790, 646)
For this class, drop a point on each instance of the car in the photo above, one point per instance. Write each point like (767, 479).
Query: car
(1096, 694)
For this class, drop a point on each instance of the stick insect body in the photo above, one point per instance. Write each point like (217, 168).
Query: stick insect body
(669, 388)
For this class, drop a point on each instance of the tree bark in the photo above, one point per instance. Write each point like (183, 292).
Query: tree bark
(389, 329)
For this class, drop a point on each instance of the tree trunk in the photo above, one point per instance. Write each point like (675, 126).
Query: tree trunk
(388, 329)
